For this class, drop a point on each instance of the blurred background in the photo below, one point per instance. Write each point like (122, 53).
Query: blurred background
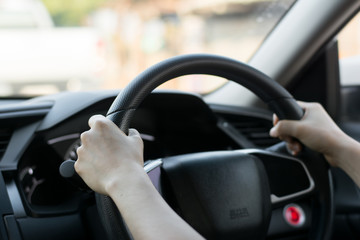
(47, 46)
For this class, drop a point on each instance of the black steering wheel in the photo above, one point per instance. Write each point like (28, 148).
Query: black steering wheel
(228, 194)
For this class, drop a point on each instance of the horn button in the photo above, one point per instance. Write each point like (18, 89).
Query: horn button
(223, 195)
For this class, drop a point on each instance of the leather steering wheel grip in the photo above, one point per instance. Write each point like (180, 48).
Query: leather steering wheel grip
(269, 91)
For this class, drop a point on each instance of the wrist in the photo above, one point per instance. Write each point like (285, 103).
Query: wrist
(125, 179)
(344, 150)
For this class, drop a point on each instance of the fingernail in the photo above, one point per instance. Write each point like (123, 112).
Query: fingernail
(272, 132)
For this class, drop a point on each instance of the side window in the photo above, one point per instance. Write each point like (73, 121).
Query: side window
(349, 52)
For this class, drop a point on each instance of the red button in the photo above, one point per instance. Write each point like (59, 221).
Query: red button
(294, 215)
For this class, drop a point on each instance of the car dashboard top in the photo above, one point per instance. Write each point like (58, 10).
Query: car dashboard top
(37, 135)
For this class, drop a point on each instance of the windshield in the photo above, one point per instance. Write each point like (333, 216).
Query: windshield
(50, 46)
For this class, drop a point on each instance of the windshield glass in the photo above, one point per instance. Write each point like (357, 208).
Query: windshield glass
(50, 45)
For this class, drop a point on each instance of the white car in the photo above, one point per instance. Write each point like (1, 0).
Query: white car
(40, 57)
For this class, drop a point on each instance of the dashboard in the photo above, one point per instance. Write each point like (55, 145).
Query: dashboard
(181, 124)
(37, 135)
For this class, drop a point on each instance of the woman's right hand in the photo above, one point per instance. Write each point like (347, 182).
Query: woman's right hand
(316, 130)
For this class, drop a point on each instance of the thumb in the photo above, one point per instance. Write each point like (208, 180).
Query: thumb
(284, 129)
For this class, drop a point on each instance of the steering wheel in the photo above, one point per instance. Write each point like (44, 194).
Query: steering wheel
(227, 194)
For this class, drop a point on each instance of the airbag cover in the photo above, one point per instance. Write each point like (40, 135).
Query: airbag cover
(223, 195)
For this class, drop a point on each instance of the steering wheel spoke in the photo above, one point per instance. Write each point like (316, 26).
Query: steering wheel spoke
(289, 177)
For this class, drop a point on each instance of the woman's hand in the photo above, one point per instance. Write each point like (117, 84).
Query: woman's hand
(107, 154)
(111, 163)
(319, 132)
(316, 130)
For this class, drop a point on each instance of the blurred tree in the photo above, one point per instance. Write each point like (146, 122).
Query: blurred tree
(71, 12)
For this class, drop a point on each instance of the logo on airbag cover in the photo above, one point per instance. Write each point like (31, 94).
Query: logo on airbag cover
(239, 213)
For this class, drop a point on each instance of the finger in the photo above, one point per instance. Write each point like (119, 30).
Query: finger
(309, 105)
(294, 147)
(77, 167)
(95, 118)
(79, 151)
(275, 119)
(86, 138)
(273, 132)
(305, 105)
(285, 128)
(99, 122)
(133, 133)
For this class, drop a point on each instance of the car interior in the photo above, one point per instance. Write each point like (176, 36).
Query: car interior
(191, 141)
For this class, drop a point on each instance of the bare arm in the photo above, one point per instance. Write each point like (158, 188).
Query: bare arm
(319, 132)
(111, 163)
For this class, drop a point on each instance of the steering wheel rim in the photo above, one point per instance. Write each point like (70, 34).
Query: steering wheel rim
(269, 91)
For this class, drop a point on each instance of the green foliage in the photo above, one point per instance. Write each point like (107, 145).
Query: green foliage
(71, 12)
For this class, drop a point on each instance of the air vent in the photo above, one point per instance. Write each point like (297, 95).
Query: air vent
(256, 131)
(5, 136)
(251, 131)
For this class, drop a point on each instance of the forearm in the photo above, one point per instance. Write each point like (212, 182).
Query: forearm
(348, 158)
(147, 215)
